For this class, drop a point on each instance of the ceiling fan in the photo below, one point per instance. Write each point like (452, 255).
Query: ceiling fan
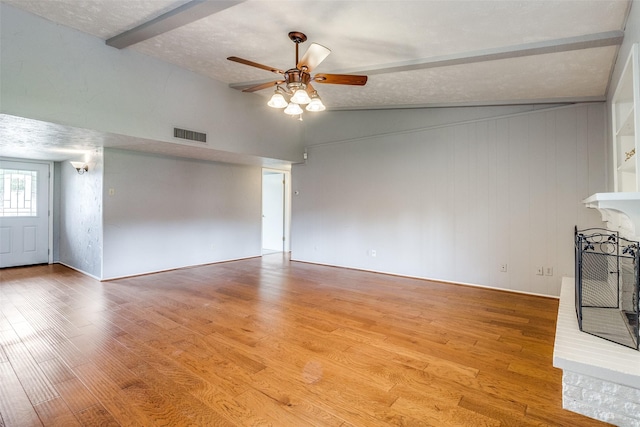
(296, 82)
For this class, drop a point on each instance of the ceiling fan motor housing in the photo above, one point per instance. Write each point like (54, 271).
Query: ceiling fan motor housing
(296, 79)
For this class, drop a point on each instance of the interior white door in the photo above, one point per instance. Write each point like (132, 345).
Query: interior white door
(24, 213)
(272, 211)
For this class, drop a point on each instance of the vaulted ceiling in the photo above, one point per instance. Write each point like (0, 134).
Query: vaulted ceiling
(416, 53)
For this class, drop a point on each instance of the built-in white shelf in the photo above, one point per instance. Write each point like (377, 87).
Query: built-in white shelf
(625, 117)
(629, 165)
(627, 127)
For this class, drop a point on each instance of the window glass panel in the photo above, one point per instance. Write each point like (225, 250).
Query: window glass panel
(18, 192)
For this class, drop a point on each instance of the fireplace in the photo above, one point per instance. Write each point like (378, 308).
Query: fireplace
(607, 285)
(596, 343)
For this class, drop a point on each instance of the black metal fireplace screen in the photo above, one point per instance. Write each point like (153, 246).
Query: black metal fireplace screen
(607, 272)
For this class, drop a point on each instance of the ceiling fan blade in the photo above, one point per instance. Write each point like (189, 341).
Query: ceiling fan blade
(313, 57)
(255, 64)
(262, 86)
(340, 79)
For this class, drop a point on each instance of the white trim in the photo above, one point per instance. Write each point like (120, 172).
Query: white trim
(79, 271)
(51, 188)
(107, 279)
(287, 205)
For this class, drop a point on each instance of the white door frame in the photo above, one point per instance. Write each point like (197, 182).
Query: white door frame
(50, 201)
(287, 205)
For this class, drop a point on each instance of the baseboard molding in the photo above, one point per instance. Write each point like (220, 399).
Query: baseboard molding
(78, 270)
(107, 279)
(449, 282)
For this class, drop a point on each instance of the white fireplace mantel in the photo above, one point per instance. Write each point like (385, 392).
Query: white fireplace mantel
(621, 211)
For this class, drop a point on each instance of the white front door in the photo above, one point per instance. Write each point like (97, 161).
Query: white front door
(24, 213)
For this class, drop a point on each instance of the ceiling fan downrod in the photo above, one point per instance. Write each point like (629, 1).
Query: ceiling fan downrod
(297, 37)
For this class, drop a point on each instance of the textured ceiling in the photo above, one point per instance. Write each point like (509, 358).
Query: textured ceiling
(37, 140)
(377, 35)
(416, 54)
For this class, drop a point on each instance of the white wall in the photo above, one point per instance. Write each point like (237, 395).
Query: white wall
(452, 201)
(342, 126)
(167, 213)
(80, 239)
(60, 75)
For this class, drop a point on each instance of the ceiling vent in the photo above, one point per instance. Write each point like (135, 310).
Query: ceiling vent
(191, 135)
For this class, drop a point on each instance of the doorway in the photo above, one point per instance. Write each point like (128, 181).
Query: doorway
(24, 213)
(275, 208)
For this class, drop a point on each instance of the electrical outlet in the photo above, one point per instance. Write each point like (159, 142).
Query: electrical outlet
(548, 271)
(503, 268)
(540, 271)
(373, 253)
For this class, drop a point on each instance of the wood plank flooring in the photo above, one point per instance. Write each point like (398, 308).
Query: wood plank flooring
(269, 342)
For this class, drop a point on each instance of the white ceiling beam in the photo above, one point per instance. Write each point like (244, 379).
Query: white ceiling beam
(589, 41)
(495, 103)
(183, 15)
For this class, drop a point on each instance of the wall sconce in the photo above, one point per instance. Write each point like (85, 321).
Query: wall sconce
(81, 167)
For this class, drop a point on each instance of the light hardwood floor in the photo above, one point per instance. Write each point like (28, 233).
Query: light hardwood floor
(266, 341)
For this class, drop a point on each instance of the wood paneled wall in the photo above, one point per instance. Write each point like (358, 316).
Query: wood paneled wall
(455, 202)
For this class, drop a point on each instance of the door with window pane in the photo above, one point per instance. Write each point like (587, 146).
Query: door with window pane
(24, 213)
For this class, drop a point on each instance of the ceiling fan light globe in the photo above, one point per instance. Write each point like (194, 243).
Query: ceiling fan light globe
(293, 109)
(277, 101)
(316, 105)
(300, 97)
